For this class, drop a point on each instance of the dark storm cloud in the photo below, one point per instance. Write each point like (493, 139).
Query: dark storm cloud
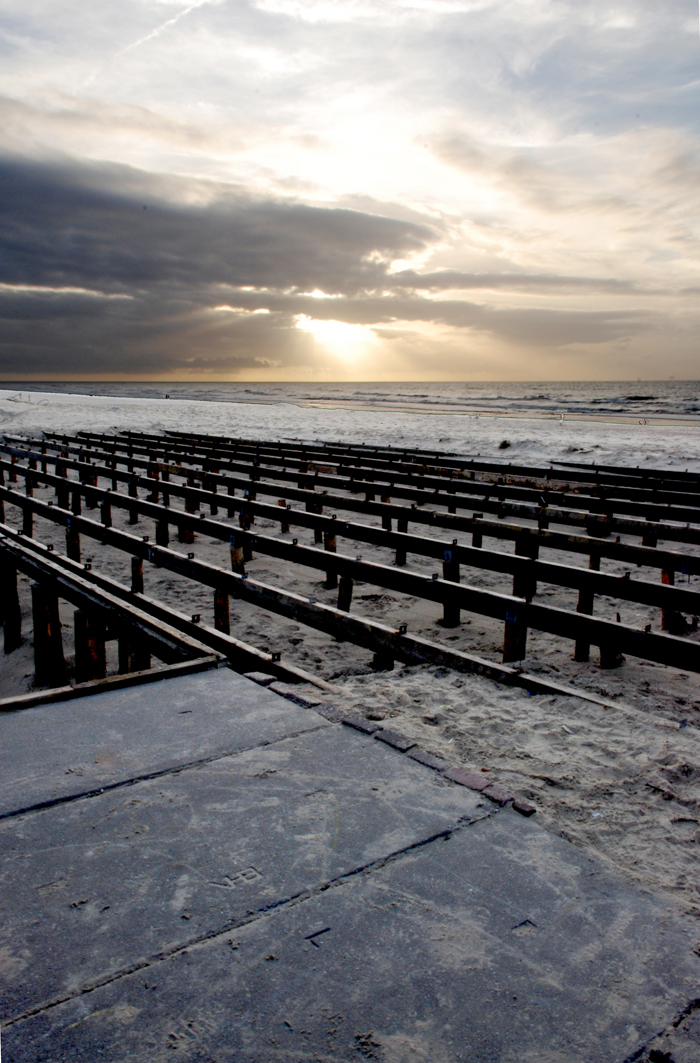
(157, 258)
(68, 226)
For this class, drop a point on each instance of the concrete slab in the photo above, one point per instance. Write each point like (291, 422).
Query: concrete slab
(52, 751)
(92, 886)
(326, 897)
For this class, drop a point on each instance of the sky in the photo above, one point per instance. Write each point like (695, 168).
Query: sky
(349, 190)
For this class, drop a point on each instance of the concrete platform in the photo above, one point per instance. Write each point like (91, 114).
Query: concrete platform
(199, 870)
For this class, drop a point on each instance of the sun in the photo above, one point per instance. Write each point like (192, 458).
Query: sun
(348, 342)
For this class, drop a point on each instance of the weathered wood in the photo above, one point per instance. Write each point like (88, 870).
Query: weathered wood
(153, 473)
(162, 532)
(222, 613)
(137, 575)
(49, 663)
(237, 559)
(165, 477)
(610, 655)
(72, 539)
(345, 590)
(71, 583)
(329, 544)
(134, 656)
(632, 590)
(402, 528)
(450, 572)
(557, 540)
(382, 662)
(284, 524)
(668, 616)
(90, 647)
(106, 512)
(9, 604)
(515, 634)
(477, 534)
(586, 595)
(28, 522)
(133, 493)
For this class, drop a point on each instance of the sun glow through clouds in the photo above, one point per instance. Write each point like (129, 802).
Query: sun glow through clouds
(337, 337)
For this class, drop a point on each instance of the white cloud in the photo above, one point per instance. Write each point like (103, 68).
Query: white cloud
(538, 137)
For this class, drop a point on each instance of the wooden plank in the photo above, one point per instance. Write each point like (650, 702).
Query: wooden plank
(556, 540)
(555, 515)
(162, 620)
(470, 598)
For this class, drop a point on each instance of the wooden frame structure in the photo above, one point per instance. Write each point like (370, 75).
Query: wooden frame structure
(208, 465)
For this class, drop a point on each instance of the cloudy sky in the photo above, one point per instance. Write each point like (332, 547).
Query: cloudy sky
(350, 189)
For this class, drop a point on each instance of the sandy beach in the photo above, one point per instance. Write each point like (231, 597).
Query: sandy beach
(623, 781)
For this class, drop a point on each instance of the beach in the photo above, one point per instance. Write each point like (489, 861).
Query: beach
(623, 780)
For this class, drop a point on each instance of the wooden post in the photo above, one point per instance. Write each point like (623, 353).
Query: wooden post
(382, 662)
(133, 493)
(329, 545)
(214, 508)
(62, 499)
(386, 521)
(237, 564)
(582, 649)
(222, 615)
(12, 473)
(9, 603)
(49, 663)
(27, 522)
(477, 536)
(244, 521)
(315, 507)
(90, 650)
(76, 503)
(515, 633)
(136, 575)
(91, 480)
(72, 540)
(231, 490)
(450, 571)
(185, 534)
(401, 526)
(152, 472)
(671, 620)
(133, 657)
(524, 584)
(284, 525)
(610, 656)
(106, 512)
(649, 538)
(162, 533)
(165, 477)
(345, 593)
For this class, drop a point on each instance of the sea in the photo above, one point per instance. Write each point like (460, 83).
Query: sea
(657, 402)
